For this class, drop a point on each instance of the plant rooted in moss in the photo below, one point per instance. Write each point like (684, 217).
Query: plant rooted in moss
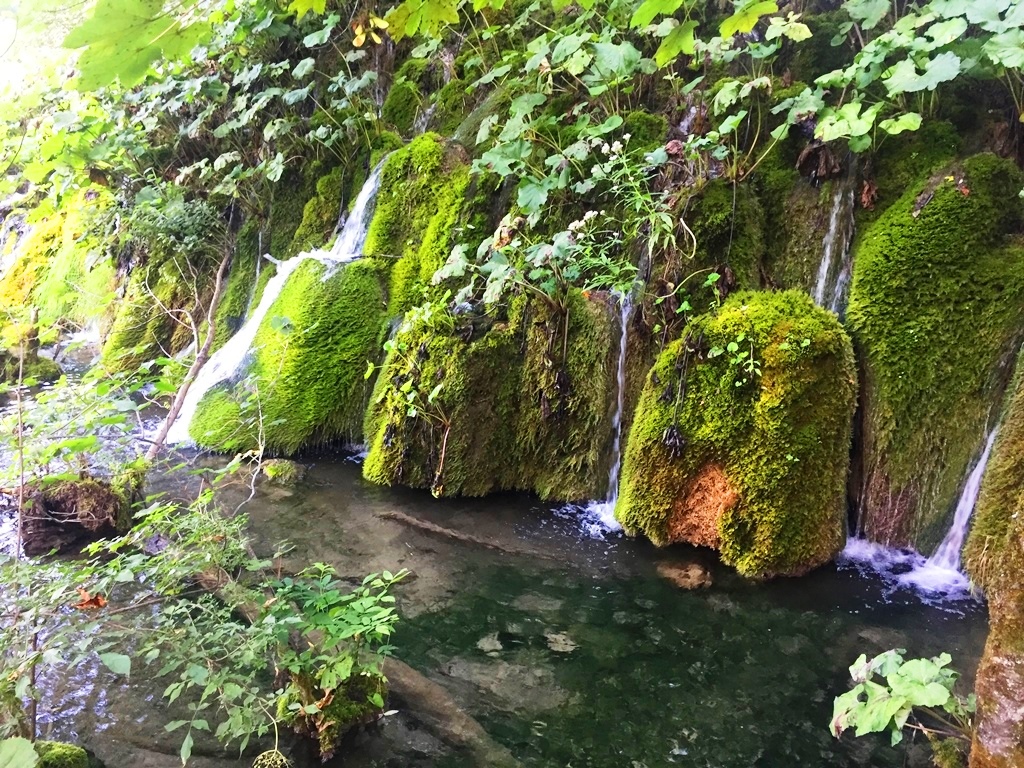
(741, 438)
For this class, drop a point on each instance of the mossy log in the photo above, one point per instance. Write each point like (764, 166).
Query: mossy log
(741, 438)
(70, 513)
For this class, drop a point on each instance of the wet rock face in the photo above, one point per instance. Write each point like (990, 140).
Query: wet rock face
(999, 737)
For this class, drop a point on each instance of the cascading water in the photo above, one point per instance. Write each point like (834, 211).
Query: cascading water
(939, 574)
(834, 272)
(599, 516)
(226, 361)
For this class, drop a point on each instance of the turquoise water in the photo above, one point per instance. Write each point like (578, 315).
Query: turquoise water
(572, 651)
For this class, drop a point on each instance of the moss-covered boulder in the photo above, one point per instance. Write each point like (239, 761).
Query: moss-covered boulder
(466, 410)
(741, 438)
(303, 382)
(936, 306)
(418, 210)
(994, 557)
(55, 754)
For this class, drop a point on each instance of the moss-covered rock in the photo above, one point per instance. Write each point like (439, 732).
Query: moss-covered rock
(741, 438)
(935, 306)
(646, 131)
(994, 557)
(501, 410)
(54, 754)
(728, 223)
(35, 367)
(304, 383)
(419, 207)
(400, 107)
(320, 214)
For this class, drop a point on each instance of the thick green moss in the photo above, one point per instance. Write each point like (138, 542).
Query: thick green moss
(35, 367)
(935, 305)
(755, 465)
(1001, 500)
(239, 288)
(61, 267)
(646, 131)
(508, 415)
(305, 383)
(400, 106)
(319, 215)
(728, 222)
(54, 754)
(419, 206)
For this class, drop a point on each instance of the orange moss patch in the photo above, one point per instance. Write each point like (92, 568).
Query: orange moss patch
(696, 512)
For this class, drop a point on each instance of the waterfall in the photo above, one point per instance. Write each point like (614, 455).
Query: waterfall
(599, 516)
(939, 574)
(948, 554)
(226, 361)
(833, 280)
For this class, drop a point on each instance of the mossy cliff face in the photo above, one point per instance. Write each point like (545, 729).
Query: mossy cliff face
(752, 465)
(507, 413)
(935, 306)
(994, 557)
(419, 206)
(304, 380)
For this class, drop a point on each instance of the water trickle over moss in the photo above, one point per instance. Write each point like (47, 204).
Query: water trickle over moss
(304, 383)
(753, 465)
(508, 414)
(935, 306)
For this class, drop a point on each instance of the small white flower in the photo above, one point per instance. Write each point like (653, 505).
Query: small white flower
(626, 137)
(589, 215)
(605, 148)
(616, 147)
(575, 225)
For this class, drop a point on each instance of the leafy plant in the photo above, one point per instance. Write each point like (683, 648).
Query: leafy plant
(892, 694)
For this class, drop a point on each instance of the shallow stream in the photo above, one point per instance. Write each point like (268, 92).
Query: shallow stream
(570, 650)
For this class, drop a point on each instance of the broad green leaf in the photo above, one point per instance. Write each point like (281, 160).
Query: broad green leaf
(617, 60)
(987, 14)
(17, 753)
(867, 12)
(727, 95)
(943, 68)
(651, 9)
(909, 121)
(946, 32)
(186, 748)
(303, 68)
(301, 7)
(567, 46)
(117, 663)
(1006, 49)
(680, 40)
(746, 17)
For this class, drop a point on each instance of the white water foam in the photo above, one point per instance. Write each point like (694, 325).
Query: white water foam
(937, 577)
(226, 361)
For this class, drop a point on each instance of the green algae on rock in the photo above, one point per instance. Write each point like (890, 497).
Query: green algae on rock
(935, 306)
(507, 414)
(742, 435)
(305, 381)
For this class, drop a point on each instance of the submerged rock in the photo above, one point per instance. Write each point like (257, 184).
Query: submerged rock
(283, 472)
(741, 439)
(685, 575)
